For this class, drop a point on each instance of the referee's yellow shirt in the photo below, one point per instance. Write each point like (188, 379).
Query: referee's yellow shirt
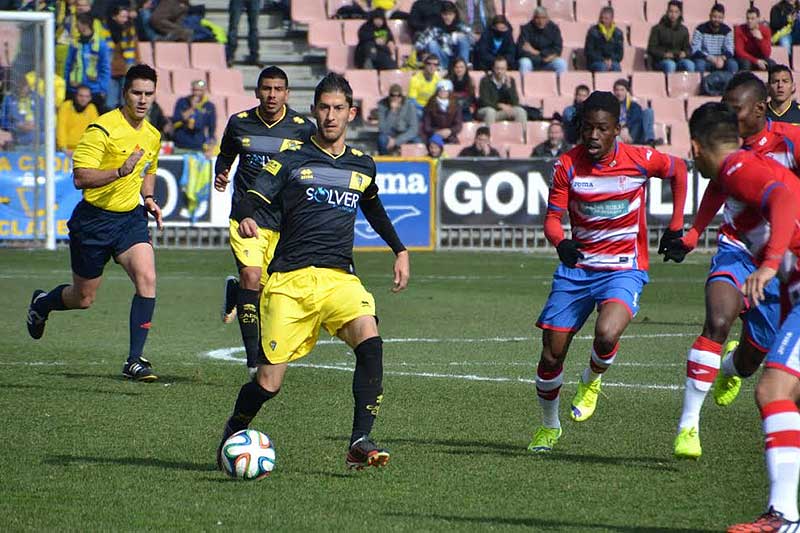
(105, 145)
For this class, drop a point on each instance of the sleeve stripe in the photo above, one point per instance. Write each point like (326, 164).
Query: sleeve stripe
(671, 172)
(251, 191)
(554, 207)
(771, 187)
(99, 127)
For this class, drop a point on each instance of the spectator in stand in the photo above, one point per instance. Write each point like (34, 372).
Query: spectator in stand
(66, 29)
(423, 84)
(18, 116)
(498, 41)
(712, 44)
(448, 39)
(89, 63)
(477, 14)
(442, 115)
(481, 146)
(435, 146)
(604, 44)
(782, 106)
(167, 19)
(555, 145)
(144, 29)
(752, 43)
(782, 23)
(73, 117)
(424, 14)
(636, 124)
(376, 48)
(570, 118)
(669, 47)
(497, 96)
(195, 121)
(397, 122)
(463, 88)
(160, 121)
(235, 8)
(122, 44)
(539, 45)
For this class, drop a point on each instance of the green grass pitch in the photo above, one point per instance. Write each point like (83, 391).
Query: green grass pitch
(84, 450)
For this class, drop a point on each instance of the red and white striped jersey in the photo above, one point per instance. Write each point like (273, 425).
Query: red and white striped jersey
(606, 201)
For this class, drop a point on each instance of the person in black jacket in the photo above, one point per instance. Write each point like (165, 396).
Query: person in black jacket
(604, 44)
(482, 146)
(498, 41)
(423, 15)
(782, 19)
(376, 48)
(540, 45)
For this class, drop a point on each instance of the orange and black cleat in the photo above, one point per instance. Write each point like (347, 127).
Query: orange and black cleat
(364, 453)
(770, 522)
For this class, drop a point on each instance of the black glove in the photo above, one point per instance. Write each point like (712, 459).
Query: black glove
(671, 246)
(568, 252)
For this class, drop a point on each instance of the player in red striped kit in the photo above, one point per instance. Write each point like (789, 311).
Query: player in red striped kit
(601, 183)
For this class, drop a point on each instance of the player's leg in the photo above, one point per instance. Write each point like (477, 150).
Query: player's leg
(138, 261)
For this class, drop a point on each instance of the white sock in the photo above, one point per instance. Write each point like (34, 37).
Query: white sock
(702, 365)
(548, 388)
(589, 375)
(550, 412)
(782, 443)
(728, 368)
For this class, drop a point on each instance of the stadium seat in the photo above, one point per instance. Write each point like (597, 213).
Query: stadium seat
(781, 55)
(368, 104)
(694, 12)
(567, 82)
(452, 150)
(518, 151)
(467, 134)
(477, 76)
(220, 104)
(639, 35)
(334, 5)
(574, 33)
(350, 31)
(577, 59)
(400, 31)
(340, 58)
(649, 84)
(679, 138)
(171, 55)
(308, 11)
(693, 102)
(388, 77)
(683, 84)
(537, 132)
(736, 11)
(145, 51)
(764, 6)
(240, 102)
(629, 12)
(364, 82)
(413, 150)
(520, 9)
(208, 56)
(669, 110)
(559, 10)
(164, 77)
(540, 84)
(633, 59)
(604, 81)
(325, 34)
(763, 75)
(556, 104)
(507, 132)
(182, 79)
(166, 100)
(531, 101)
(226, 82)
(660, 130)
(589, 10)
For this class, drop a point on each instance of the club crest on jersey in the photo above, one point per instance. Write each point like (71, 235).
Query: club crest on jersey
(306, 174)
(243, 114)
(298, 120)
(273, 167)
(291, 144)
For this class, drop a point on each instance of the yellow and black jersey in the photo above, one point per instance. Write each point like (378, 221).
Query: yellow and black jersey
(105, 145)
(255, 141)
(319, 194)
(790, 115)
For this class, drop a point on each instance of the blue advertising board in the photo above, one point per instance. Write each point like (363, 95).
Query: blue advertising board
(406, 188)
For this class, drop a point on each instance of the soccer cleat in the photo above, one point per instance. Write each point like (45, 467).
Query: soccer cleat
(726, 389)
(364, 452)
(229, 299)
(770, 522)
(226, 434)
(585, 401)
(139, 370)
(544, 439)
(687, 444)
(35, 320)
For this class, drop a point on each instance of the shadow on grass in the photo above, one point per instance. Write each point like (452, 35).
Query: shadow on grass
(50, 387)
(558, 525)
(162, 379)
(68, 460)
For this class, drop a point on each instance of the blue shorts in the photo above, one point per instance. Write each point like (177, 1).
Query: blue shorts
(96, 235)
(732, 265)
(785, 352)
(576, 292)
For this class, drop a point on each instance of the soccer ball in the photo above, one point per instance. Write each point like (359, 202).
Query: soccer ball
(248, 454)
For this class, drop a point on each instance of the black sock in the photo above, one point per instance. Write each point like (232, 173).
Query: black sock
(141, 315)
(367, 386)
(247, 311)
(52, 301)
(251, 397)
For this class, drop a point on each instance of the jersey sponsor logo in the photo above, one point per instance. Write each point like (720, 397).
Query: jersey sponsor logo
(344, 200)
(607, 209)
(734, 168)
(306, 174)
(273, 167)
(290, 144)
(243, 114)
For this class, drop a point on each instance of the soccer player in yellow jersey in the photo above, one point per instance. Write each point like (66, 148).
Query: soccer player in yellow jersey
(115, 166)
(312, 280)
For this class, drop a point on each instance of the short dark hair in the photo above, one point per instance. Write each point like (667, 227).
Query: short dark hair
(334, 82)
(499, 57)
(601, 101)
(780, 68)
(272, 73)
(623, 82)
(676, 3)
(116, 9)
(714, 123)
(582, 87)
(86, 19)
(753, 9)
(607, 9)
(139, 72)
(719, 8)
(751, 81)
(483, 130)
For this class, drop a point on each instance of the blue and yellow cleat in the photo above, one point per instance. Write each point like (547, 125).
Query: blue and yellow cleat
(585, 401)
(687, 444)
(544, 439)
(726, 389)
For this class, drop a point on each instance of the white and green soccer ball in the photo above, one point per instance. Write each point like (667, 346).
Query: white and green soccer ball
(248, 454)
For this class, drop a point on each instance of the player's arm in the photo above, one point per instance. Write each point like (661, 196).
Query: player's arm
(89, 155)
(712, 201)
(374, 212)
(673, 169)
(225, 158)
(557, 202)
(149, 185)
(267, 186)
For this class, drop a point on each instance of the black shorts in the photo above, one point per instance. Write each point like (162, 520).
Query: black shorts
(96, 235)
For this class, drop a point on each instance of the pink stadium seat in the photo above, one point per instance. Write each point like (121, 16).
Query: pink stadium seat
(166, 100)
(240, 102)
(404, 52)
(693, 102)
(208, 56)
(340, 58)
(222, 115)
(413, 150)
(405, 5)
(589, 10)
(363, 81)
(604, 81)
(567, 82)
(171, 55)
(660, 130)
(368, 104)
(182, 79)
(145, 51)
(764, 6)
(452, 150)
(640, 34)
(226, 82)
(679, 138)
(325, 33)
(559, 10)
(388, 77)
(575, 58)
(633, 59)
(400, 31)
(630, 12)
(649, 85)
(467, 135)
(781, 55)
(164, 80)
(669, 110)
(574, 33)
(350, 31)
(334, 5)
(533, 101)
(540, 84)
(683, 84)
(477, 76)
(520, 8)
(507, 132)
(308, 10)
(763, 75)
(556, 104)
(518, 151)
(537, 132)
(736, 11)
(694, 11)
